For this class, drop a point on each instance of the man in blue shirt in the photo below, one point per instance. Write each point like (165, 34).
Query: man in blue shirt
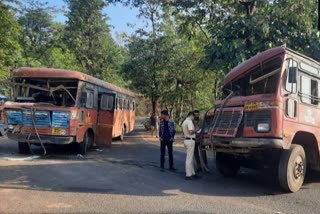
(166, 133)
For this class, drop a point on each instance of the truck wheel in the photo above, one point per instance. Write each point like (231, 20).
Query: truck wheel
(84, 146)
(23, 148)
(292, 168)
(227, 165)
(123, 132)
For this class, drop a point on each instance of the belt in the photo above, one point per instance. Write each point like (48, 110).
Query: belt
(190, 138)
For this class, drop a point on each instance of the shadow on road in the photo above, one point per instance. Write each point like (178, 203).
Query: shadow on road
(131, 168)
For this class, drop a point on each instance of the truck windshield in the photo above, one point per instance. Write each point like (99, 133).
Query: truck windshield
(262, 79)
(59, 92)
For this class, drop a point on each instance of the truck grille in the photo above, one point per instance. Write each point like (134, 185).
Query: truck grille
(254, 118)
(226, 123)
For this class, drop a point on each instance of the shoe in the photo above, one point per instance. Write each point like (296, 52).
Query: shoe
(195, 176)
(172, 169)
(162, 170)
(188, 178)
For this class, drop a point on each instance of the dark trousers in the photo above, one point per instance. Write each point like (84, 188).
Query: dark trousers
(163, 146)
(197, 156)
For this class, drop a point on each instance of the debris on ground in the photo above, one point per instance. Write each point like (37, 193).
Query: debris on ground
(80, 156)
(30, 158)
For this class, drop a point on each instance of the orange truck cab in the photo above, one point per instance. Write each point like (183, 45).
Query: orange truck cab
(269, 117)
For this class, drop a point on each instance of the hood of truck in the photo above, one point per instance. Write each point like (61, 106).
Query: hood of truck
(241, 101)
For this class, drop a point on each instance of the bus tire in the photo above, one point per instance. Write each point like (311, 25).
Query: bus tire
(292, 168)
(123, 132)
(23, 148)
(227, 165)
(84, 146)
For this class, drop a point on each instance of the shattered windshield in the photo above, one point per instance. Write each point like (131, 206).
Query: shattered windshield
(263, 79)
(59, 92)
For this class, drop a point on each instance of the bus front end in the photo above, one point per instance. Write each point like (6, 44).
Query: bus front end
(32, 124)
(245, 128)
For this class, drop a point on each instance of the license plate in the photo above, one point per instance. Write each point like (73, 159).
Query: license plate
(56, 131)
(252, 106)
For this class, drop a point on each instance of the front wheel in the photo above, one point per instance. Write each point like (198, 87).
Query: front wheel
(227, 165)
(84, 146)
(23, 148)
(292, 168)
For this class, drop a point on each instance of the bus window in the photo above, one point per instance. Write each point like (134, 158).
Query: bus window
(89, 103)
(309, 90)
(107, 102)
(291, 87)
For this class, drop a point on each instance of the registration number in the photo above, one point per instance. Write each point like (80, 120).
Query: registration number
(56, 131)
(252, 106)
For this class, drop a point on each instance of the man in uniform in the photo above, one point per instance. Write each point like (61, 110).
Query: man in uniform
(197, 122)
(189, 143)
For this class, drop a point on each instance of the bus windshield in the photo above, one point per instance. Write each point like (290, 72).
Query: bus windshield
(262, 79)
(59, 92)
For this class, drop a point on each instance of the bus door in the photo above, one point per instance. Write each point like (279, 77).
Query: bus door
(105, 118)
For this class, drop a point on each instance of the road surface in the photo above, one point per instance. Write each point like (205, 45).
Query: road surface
(126, 178)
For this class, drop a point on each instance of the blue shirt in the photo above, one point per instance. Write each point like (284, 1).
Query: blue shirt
(166, 133)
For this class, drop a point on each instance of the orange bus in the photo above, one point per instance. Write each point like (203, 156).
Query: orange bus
(55, 106)
(269, 117)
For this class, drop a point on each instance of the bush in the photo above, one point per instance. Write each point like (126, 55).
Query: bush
(147, 125)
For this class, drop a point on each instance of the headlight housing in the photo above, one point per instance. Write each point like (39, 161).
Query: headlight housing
(263, 127)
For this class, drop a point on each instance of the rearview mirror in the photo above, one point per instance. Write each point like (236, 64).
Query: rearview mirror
(292, 75)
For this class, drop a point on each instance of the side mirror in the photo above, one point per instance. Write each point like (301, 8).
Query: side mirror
(83, 99)
(292, 74)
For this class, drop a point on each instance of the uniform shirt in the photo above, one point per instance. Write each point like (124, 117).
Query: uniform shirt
(187, 126)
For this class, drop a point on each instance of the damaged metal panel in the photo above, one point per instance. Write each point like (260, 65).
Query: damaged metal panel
(60, 119)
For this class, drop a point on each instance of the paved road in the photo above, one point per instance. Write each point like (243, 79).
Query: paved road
(127, 179)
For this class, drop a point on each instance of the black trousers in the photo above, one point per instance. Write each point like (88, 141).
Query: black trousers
(163, 146)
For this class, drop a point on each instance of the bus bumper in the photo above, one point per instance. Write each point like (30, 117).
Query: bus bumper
(243, 145)
(46, 139)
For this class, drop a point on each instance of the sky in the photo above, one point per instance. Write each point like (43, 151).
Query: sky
(119, 17)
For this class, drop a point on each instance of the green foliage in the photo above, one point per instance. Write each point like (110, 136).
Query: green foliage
(9, 40)
(88, 37)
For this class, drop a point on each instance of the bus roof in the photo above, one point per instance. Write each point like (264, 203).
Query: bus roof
(26, 72)
(245, 66)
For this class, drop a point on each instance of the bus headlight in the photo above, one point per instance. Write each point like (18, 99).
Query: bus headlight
(263, 127)
(10, 127)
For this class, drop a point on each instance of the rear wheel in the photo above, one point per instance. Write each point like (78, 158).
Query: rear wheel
(292, 168)
(84, 146)
(123, 132)
(23, 148)
(227, 164)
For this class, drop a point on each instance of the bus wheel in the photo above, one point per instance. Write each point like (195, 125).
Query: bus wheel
(23, 148)
(292, 168)
(123, 132)
(226, 165)
(84, 146)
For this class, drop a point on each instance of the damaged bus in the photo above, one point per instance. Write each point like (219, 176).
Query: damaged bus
(55, 106)
(269, 117)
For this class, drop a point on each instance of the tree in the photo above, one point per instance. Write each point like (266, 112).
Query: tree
(10, 31)
(37, 24)
(88, 37)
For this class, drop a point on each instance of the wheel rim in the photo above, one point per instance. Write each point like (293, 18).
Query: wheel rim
(298, 168)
